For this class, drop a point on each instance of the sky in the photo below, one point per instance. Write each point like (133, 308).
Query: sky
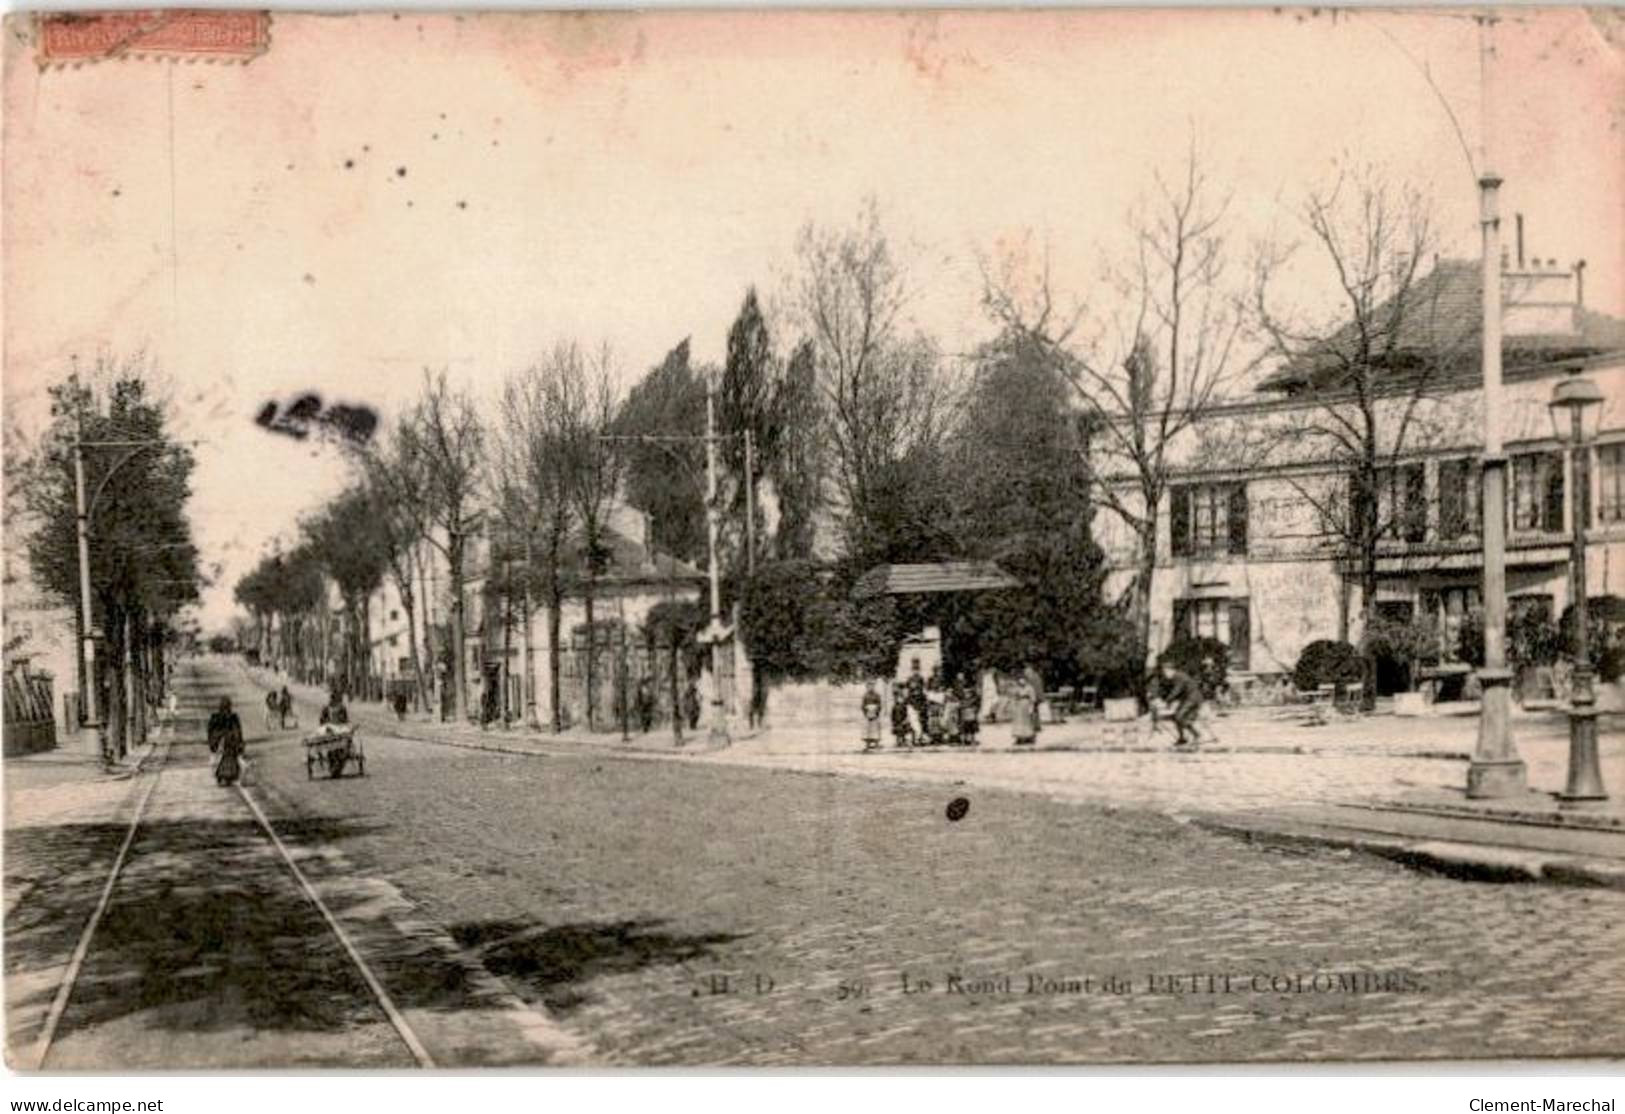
(378, 195)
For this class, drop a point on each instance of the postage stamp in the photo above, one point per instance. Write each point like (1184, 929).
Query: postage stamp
(77, 37)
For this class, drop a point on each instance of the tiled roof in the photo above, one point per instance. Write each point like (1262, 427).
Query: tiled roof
(1443, 318)
(943, 576)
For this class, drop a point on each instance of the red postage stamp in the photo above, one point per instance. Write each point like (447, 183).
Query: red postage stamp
(73, 37)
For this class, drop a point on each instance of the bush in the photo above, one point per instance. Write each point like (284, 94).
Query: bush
(1533, 639)
(1111, 656)
(1328, 662)
(1205, 659)
(799, 625)
(1605, 635)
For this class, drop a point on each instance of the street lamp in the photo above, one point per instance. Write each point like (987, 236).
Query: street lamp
(1576, 395)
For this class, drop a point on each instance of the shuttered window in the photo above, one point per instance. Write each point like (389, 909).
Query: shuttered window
(1240, 640)
(1402, 509)
(1179, 520)
(1611, 483)
(1207, 519)
(1227, 620)
(1537, 492)
(1461, 512)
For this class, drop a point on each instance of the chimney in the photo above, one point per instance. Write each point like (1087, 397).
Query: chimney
(1520, 241)
(1580, 283)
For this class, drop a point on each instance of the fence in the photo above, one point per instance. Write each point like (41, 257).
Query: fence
(30, 724)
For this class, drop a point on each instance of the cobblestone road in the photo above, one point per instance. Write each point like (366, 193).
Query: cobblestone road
(620, 894)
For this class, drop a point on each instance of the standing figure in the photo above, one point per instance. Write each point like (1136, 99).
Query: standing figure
(902, 735)
(691, 705)
(917, 702)
(646, 704)
(271, 708)
(872, 705)
(284, 705)
(950, 715)
(226, 740)
(399, 701)
(1023, 712)
(970, 710)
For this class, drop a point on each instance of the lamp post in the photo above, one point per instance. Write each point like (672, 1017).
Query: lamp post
(1576, 395)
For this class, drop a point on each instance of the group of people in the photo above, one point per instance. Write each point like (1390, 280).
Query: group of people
(645, 706)
(278, 705)
(928, 712)
(925, 711)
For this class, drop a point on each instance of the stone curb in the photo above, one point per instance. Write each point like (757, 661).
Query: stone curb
(1570, 821)
(1469, 861)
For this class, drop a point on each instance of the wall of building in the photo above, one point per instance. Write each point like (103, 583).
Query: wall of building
(1290, 573)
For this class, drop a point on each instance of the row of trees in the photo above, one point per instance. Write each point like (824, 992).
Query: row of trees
(144, 568)
(852, 439)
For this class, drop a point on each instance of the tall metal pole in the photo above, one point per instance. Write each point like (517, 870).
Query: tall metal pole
(719, 725)
(83, 525)
(1584, 782)
(526, 658)
(1496, 770)
(750, 503)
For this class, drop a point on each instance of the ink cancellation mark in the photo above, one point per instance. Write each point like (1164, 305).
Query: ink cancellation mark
(74, 38)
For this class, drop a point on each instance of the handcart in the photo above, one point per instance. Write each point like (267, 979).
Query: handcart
(333, 749)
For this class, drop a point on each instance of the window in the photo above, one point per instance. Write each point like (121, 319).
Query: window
(1208, 518)
(1461, 510)
(1451, 608)
(1226, 620)
(394, 614)
(1401, 612)
(1402, 508)
(1537, 492)
(1611, 483)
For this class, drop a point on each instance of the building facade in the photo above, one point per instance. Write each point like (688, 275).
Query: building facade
(1248, 547)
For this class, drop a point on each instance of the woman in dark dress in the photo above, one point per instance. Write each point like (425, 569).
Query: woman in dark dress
(226, 740)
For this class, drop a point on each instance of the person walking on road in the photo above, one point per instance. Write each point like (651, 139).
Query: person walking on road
(1181, 692)
(271, 709)
(284, 705)
(226, 742)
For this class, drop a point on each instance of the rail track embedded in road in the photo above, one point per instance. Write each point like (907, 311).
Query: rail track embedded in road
(64, 993)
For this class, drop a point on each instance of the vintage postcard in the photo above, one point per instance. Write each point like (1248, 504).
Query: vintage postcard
(813, 538)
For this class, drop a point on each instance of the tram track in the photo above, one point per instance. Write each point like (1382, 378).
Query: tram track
(128, 852)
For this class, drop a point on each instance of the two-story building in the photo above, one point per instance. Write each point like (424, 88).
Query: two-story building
(1248, 547)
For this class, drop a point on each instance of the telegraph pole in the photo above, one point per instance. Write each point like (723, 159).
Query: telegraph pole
(1496, 770)
(750, 503)
(719, 725)
(82, 514)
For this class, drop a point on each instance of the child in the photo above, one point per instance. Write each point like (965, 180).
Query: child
(871, 717)
(901, 733)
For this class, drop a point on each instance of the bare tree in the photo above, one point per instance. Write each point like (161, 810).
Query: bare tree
(884, 392)
(443, 430)
(583, 393)
(1163, 354)
(395, 473)
(1367, 371)
(533, 495)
